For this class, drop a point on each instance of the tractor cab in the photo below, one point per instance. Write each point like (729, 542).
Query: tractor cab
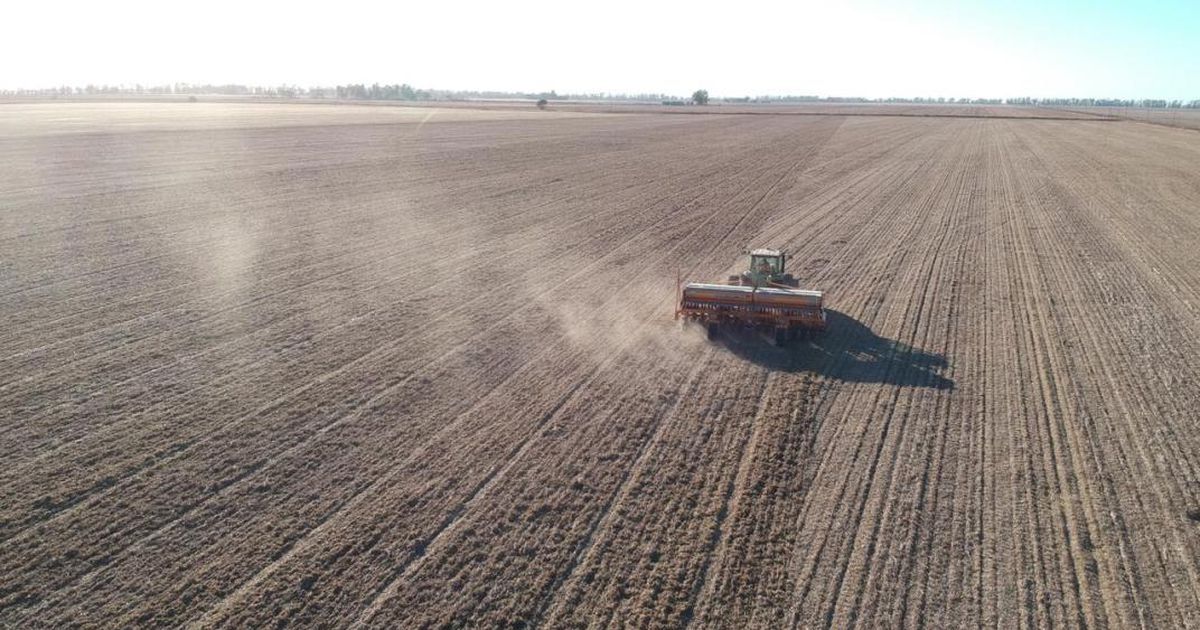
(767, 262)
(766, 269)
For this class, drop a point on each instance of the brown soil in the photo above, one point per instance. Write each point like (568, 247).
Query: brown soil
(412, 372)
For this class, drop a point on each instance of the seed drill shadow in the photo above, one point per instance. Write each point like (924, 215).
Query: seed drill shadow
(848, 350)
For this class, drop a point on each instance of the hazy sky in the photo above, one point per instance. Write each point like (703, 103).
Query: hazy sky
(861, 48)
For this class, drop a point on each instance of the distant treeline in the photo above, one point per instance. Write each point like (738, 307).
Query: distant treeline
(1024, 100)
(1104, 102)
(285, 91)
(405, 92)
(353, 91)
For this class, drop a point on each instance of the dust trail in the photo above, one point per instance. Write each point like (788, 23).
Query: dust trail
(609, 317)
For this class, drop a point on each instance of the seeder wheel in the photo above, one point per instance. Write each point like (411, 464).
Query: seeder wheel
(712, 330)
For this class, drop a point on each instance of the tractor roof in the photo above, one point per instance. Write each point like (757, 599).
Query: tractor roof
(765, 252)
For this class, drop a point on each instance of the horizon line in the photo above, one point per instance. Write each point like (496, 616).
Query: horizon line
(285, 90)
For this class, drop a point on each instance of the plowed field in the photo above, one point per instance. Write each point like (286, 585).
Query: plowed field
(408, 370)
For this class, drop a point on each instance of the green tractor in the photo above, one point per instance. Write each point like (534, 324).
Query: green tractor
(766, 270)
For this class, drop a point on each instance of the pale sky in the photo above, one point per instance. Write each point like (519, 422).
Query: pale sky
(865, 48)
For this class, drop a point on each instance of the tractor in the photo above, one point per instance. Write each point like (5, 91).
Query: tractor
(763, 297)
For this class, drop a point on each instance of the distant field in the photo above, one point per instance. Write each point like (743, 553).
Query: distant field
(414, 367)
(840, 109)
(40, 118)
(1189, 118)
(795, 109)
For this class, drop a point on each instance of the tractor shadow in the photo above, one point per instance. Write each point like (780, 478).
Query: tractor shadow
(848, 350)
